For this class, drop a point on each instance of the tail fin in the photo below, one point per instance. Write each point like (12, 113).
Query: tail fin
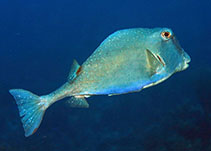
(31, 109)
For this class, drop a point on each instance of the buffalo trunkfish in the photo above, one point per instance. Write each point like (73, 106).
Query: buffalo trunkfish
(126, 61)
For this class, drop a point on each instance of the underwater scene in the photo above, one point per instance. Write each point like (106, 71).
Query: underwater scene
(128, 75)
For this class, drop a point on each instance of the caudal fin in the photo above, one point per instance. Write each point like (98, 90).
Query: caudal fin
(31, 109)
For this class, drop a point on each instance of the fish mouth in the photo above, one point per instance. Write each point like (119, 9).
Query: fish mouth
(187, 60)
(185, 66)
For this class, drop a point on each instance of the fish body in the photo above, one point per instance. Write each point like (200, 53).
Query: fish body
(127, 61)
(120, 64)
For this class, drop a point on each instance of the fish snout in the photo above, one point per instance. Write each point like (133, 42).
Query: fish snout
(186, 59)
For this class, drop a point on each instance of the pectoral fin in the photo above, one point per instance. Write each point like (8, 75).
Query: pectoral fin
(154, 63)
(73, 71)
(78, 102)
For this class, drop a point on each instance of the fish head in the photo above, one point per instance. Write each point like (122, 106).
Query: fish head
(165, 46)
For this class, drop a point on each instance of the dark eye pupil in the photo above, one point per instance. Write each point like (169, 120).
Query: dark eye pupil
(166, 34)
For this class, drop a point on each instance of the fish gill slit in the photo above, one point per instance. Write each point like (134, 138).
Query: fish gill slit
(161, 60)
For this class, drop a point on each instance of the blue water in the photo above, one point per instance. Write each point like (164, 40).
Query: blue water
(38, 42)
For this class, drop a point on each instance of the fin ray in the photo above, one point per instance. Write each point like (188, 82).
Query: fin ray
(30, 109)
(153, 63)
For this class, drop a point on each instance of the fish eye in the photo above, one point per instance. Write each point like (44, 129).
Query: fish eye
(166, 35)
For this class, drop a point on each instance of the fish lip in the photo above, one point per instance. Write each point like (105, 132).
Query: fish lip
(185, 66)
(187, 58)
(186, 62)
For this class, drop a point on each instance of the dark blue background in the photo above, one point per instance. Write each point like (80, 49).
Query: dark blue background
(38, 42)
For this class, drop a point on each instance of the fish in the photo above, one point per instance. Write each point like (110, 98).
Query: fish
(128, 60)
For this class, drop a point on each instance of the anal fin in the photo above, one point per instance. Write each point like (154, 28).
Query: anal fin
(78, 102)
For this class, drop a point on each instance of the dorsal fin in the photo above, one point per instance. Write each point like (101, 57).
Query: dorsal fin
(73, 71)
(153, 63)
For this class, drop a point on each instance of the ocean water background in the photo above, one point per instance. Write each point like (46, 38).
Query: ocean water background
(38, 42)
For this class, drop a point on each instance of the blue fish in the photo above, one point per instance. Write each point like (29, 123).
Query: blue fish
(126, 61)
